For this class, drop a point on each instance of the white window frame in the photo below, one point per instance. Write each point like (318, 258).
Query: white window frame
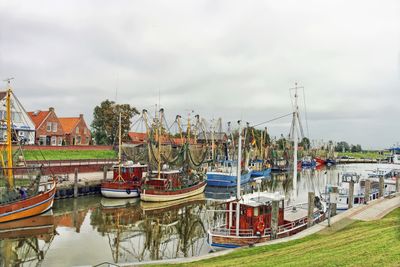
(59, 141)
(53, 140)
(48, 128)
(54, 127)
(77, 130)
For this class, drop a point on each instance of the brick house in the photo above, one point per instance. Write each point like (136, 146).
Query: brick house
(48, 127)
(76, 130)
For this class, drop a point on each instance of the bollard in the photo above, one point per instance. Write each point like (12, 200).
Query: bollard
(397, 183)
(274, 219)
(105, 170)
(76, 183)
(381, 187)
(334, 205)
(351, 195)
(310, 217)
(367, 189)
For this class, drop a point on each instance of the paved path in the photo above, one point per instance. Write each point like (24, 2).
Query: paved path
(374, 210)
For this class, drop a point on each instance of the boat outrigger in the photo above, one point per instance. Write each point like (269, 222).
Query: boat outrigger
(168, 184)
(37, 198)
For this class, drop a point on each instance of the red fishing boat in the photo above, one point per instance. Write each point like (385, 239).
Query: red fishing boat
(254, 223)
(16, 204)
(127, 177)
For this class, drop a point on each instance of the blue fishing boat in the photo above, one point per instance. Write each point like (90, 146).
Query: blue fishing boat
(259, 169)
(226, 175)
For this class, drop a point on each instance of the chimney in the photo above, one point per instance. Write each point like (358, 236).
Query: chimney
(81, 116)
(51, 109)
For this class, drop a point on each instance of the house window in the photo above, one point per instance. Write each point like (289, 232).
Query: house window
(59, 143)
(54, 126)
(42, 140)
(54, 140)
(49, 126)
(84, 130)
(78, 140)
(77, 130)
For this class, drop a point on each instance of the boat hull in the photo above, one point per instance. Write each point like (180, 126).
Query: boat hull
(119, 190)
(161, 196)
(230, 240)
(226, 180)
(265, 172)
(28, 207)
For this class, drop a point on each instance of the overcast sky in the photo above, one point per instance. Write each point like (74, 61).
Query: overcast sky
(229, 59)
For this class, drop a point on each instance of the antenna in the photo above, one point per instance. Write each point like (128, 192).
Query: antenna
(8, 80)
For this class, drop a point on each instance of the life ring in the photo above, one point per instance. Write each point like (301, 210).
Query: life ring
(260, 226)
(128, 191)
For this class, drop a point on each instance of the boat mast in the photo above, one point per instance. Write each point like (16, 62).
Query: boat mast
(119, 148)
(9, 139)
(295, 141)
(239, 163)
(159, 143)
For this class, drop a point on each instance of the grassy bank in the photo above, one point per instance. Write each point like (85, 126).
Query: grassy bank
(375, 243)
(363, 155)
(69, 154)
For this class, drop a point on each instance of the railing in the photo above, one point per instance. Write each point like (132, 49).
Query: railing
(231, 232)
(72, 162)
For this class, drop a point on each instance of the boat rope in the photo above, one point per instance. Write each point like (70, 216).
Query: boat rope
(271, 120)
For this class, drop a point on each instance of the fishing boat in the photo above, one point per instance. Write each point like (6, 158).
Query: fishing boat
(254, 224)
(280, 165)
(308, 162)
(259, 168)
(169, 184)
(37, 198)
(127, 176)
(225, 175)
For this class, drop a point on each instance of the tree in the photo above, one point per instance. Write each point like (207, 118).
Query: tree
(342, 147)
(106, 119)
(305, 143)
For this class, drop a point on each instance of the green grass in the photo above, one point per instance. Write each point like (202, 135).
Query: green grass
(375, 243)
(69, 154)
(365, 155)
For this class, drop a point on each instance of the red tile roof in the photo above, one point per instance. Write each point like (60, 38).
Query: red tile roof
(38, 117)
(68, 124)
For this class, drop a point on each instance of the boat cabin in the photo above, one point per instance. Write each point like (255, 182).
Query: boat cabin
(257, 165)
(166, 180)
(255, 213)
(130, 171)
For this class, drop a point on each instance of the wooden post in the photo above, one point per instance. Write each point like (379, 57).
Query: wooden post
(105, 170)
(274, 219)
(367, 189)
(310, 217)
(76, 183)
(381, 186)
(334, 205)
(351, 195)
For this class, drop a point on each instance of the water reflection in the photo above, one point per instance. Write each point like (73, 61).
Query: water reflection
(26, 241)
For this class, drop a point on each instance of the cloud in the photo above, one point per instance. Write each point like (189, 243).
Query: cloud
(232, 59)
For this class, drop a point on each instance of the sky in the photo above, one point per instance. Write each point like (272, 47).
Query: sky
(217, 58)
